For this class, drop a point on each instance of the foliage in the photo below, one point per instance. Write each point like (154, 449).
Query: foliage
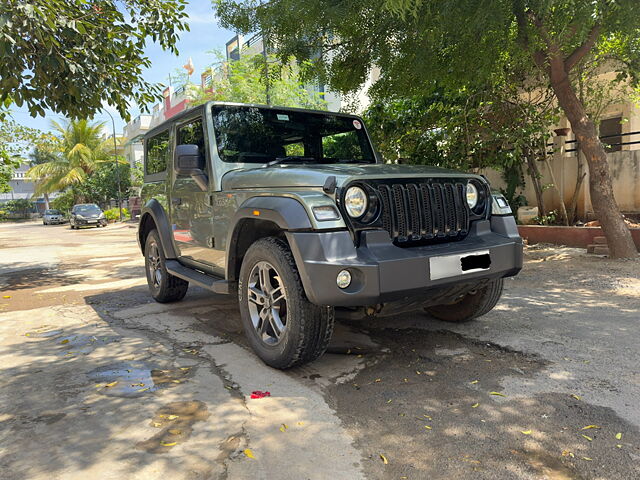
(64, 201)
(82, 149)
(101, 186)
(548, 219)
(114, 214)
(73, 56)
(249, 79)
(15, 141)
(20, 206)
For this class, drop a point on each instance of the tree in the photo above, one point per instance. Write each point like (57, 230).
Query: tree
(15, 141)
(21, 206)
(248, 80)
(43, 154)
(82, 150)
(422, 44)
(101, 186)
(72, 56)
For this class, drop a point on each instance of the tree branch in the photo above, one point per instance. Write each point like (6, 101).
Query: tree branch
(579, 53)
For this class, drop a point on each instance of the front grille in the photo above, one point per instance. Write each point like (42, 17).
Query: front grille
(416, 212)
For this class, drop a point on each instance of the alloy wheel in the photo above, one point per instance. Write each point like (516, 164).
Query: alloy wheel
(267, 303)
(154, 264)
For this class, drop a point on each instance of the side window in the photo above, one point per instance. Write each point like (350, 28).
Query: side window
(157, 153)
(192, 134)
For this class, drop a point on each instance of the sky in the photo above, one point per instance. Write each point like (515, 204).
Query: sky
(205, 35)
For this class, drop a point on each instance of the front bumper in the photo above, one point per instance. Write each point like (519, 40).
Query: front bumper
(382, 272)
(90, 221)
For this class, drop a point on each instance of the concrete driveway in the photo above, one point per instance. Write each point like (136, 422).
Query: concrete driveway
(98, 381)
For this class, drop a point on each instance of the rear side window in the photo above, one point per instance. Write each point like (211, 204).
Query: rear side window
(192, 134)
(157, 153)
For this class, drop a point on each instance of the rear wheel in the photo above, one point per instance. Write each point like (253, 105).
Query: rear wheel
(164, 287)
(282, 326)
(471, 306)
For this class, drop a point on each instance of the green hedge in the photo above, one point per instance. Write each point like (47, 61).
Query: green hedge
(114, 214)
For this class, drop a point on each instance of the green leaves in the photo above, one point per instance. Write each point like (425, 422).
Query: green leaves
(82, 54)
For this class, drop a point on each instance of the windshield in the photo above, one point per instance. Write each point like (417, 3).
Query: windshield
(259, 135)
(86, 209)
(52, 212)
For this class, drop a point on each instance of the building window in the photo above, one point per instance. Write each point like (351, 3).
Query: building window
(611, 134)
(157, 153)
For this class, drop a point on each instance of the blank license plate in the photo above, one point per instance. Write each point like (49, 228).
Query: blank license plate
(459, 264)
(92, 221)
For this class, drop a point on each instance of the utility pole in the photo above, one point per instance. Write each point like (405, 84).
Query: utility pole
(115, 157)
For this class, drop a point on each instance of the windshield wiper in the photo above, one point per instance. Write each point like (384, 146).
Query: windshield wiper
(279, 160)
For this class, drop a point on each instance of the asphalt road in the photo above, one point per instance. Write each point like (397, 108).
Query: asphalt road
(98, 381)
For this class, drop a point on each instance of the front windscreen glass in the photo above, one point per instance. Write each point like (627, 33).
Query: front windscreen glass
(52, 212)
(87, 209)
(261, 135)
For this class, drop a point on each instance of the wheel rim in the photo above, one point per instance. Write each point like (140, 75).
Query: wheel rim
(154, 264)
(267, 303)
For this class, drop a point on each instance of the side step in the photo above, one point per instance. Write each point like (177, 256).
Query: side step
(215, 284)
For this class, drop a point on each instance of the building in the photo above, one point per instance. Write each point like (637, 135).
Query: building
(22, 188)
(174, 102)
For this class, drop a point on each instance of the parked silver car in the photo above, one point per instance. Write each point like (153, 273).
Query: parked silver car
(52, 217)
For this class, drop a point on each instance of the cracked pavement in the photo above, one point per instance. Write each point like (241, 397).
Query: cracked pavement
(99, 381)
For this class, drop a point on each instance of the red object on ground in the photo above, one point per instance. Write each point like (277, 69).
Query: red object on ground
(260, 394)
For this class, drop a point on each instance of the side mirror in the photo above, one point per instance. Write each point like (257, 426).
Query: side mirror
(188, 160)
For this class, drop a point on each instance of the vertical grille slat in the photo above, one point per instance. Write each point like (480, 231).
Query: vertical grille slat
(413, 212)
(401, 213)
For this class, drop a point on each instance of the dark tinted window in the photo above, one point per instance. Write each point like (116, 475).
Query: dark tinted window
(251, 134)
(52, 212)
(157, 153)
(86, 209)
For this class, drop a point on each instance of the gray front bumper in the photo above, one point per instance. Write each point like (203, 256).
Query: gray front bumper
(382, 272)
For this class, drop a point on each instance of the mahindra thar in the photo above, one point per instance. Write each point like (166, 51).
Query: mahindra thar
(295, 212)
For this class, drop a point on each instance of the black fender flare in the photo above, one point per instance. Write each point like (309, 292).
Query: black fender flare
(285, 212)
(156, 211)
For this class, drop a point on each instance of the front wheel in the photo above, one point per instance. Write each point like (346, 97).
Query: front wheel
(164, 287)
(473, 305)
(282, 326)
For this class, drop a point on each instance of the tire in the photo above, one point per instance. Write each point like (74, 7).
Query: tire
(305, 328)
(163, 286)
(471, 306)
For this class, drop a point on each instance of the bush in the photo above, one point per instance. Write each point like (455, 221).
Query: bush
(114, 214)
(64, 201)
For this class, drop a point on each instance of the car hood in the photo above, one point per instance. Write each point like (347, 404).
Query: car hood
(292, 176)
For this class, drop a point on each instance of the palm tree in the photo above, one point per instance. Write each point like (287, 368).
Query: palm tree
(38, 156)
(82, 149)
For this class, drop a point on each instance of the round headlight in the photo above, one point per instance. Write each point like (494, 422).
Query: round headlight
(355, 202)
(472, 195)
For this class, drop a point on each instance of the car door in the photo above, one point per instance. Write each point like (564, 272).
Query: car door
(191, 211)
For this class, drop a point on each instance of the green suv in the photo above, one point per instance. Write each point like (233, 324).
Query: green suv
(295, 212)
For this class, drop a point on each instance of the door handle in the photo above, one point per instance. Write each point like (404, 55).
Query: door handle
(176, 201)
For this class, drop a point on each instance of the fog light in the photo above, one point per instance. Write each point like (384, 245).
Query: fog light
(344, 279)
